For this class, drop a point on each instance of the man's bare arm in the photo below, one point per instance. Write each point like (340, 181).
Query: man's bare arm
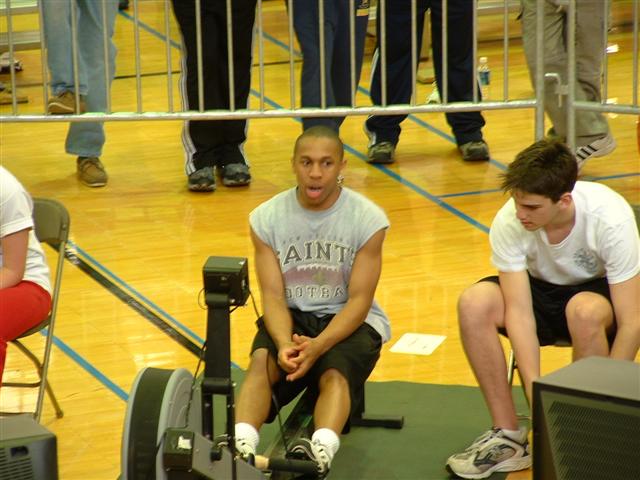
(521, 325)
(625, 297)
(276, 315)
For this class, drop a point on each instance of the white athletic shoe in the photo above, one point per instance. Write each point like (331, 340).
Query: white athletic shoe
(598, 148)
(491, 452)
(244, 448)
(305, 449)
(434, 96)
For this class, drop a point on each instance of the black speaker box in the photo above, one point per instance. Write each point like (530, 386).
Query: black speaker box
(586, 422)
(28, 451)
(227, 276)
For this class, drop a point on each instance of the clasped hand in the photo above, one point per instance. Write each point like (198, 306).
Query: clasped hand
(298, 356)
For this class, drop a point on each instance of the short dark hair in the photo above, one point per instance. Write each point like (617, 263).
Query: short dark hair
(546, 168)
(320, 131)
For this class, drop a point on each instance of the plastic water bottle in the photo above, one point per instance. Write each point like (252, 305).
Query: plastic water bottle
(484, 77)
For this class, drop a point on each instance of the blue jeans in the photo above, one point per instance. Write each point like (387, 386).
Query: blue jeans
(84, 139)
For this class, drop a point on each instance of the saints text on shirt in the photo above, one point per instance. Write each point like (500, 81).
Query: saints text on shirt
(320, 251)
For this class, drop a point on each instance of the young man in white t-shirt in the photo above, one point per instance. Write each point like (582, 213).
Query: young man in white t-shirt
(568, 257)
(318, 257)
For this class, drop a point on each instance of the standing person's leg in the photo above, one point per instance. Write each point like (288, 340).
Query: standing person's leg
(86, 139)
(593, 138)
(58, 38)
(384, 130)
(201, 138)
(307, 28)
(341, 66)
(21, 307)
(555, 57)
(466, 126)
(231, 159)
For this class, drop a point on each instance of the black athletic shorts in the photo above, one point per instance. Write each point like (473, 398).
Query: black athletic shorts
(549, 304)
(354, 357)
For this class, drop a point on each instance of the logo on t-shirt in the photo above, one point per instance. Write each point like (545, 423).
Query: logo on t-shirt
(315, 270)
(586, 260)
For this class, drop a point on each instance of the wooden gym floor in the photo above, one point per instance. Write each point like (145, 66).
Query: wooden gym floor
(140, 242)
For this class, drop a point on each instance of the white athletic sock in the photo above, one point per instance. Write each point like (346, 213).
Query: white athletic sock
(519, 435)
(246, 436)
(329, 439)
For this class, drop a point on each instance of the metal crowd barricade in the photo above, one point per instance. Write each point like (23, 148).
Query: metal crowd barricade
(10, 8)
(573, 105)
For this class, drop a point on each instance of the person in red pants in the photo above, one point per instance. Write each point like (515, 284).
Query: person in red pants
(25, 288)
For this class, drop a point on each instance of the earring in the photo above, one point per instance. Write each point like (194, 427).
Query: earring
(340, 179)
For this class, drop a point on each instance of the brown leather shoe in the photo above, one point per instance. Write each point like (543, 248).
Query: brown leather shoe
(65, 104)
(91, 172)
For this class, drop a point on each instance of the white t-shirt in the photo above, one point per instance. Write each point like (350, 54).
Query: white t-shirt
(316, 249)
(16, 208)
(603, 242)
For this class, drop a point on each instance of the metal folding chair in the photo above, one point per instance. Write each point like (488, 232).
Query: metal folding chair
(51, 221)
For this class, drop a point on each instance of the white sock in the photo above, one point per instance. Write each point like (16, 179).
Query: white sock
(519, 435)
(247, 434)
(329, 439)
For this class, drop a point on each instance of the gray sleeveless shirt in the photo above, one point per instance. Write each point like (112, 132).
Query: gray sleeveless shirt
(316, 249)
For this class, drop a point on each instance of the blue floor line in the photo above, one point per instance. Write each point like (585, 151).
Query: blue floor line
(472, 192)
(150, 30)
(136, 293)
(93, 371)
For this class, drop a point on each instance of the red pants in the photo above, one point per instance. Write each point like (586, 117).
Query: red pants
(21, 307)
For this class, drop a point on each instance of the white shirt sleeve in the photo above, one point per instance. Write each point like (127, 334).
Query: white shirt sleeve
(15, 210)
(508, 252)
(620, 250)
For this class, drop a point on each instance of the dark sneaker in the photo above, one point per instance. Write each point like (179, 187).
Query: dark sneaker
(202, 180)
(65, 104)
(598, 148)
(474, 151)
(381, 153)
(305, 449)
(234, 169)
(491, 452)
(91, 172)
(235, 175)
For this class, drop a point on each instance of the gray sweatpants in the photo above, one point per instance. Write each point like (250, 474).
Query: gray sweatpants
(590, 47)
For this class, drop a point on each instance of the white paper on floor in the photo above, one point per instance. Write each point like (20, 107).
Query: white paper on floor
(417, 343)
